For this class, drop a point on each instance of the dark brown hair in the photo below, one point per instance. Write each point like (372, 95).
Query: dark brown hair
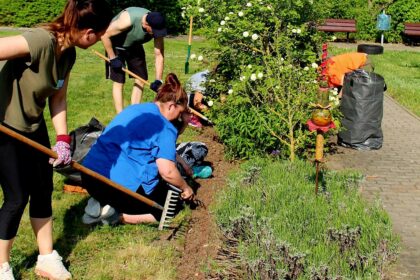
(79, 15)
(172, 90)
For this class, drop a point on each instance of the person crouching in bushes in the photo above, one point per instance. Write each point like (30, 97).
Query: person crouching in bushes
(137, 150)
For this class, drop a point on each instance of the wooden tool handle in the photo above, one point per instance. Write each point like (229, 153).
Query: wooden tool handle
(123, 68)
(79, 167)
(190, 33)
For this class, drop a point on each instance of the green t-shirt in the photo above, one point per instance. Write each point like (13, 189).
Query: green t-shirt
(135, 34)
(26, 83)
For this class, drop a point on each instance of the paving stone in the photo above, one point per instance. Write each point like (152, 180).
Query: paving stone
(392, 174)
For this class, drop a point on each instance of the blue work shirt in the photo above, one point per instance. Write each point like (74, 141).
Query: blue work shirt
(127, 150)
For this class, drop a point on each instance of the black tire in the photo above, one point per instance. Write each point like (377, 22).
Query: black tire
(370, 49)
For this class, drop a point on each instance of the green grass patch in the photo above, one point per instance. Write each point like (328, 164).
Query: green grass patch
(284, 229)
(125, 252)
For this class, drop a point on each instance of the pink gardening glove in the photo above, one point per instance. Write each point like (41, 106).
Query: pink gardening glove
(62, 148)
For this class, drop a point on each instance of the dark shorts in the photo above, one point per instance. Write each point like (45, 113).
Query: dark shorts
(125, 203)
(134, 58)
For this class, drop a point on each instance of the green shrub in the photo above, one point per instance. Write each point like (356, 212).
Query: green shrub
(282, 230)
(264, 56)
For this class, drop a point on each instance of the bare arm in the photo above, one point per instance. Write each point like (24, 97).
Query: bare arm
(13, 47)
(159, 57)
(58, 109)
(116, 27)
(169, 172)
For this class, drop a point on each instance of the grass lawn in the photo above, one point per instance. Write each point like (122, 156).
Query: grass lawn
(132, 252)
(127, 252)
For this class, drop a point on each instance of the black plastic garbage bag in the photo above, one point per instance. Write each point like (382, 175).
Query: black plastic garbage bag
(362, 109)
(82, 138)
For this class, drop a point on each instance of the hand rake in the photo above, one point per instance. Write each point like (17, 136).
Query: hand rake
(171, 198)
(187, 63)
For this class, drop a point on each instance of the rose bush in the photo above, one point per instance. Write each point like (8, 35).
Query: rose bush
(264, 73)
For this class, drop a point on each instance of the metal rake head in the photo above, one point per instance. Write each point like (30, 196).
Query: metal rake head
(169, 210)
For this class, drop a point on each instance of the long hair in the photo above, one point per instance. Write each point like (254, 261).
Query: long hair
(79, 15)
(172, 90)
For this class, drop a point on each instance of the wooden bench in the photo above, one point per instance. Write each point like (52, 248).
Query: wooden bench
(412, 29)
(338, 25)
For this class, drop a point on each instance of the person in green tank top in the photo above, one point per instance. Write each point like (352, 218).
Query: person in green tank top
(34, 71)
(123, 42)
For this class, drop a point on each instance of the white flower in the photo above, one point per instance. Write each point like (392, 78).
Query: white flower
(260, 75)
(249, 66)
(231, 91)
(241, 14)
(333, 38)
(222, 22)
(314, 65)
(219, 29)
(315, 81)
(253, 77)
(212, 81)
(269, 7)
(249, 4)
(200, 58)
(294, 30)
(183, 14)
(227, 18)
(242, 78)
(254, 37)
(210, 103)
(230, 13)
(306, 68)
(193, 56)
(298, 31)
(201, 10)
(334, 91)
(245, 34)
(281, 58)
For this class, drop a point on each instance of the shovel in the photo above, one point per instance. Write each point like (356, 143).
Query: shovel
(187, 64)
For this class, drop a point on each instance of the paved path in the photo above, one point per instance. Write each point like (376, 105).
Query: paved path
(393, 173)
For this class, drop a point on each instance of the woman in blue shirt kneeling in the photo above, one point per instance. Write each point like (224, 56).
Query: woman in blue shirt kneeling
(137, 150)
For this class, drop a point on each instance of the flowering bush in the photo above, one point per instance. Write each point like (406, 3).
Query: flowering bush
(265, 53)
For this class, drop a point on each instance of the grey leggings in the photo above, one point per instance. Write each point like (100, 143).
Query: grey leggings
(24, 173)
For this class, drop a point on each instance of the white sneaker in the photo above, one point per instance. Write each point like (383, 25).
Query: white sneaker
(106, 212)
(51, 266)
(6, 272)
(93, 208)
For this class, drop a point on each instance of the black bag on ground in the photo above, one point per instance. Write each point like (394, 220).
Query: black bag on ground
(362, 109)
(82, 138)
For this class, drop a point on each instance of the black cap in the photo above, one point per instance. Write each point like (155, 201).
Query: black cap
(157, 23)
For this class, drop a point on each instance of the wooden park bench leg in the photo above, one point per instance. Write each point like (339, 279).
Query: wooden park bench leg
(348, 37)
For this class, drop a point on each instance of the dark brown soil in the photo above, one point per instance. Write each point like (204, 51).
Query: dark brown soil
(202, 239)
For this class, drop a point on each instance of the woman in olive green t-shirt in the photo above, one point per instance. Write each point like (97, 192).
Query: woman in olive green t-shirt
(34, 70)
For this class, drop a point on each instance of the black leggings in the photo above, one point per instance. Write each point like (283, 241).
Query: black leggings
(24, 173)
(122, 202)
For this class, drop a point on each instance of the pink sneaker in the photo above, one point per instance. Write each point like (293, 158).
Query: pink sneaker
(195, 122)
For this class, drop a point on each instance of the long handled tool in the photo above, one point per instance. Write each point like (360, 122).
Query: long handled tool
(79, 167)
(147, 83)
(125, 70)
(187, 63)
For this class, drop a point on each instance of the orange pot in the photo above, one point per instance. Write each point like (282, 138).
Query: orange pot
(321, 117)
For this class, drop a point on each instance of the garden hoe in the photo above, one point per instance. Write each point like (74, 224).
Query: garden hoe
(187, 63)
(171, 198)
(147, 83)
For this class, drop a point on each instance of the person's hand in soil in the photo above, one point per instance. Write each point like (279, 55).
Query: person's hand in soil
(187, 193)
